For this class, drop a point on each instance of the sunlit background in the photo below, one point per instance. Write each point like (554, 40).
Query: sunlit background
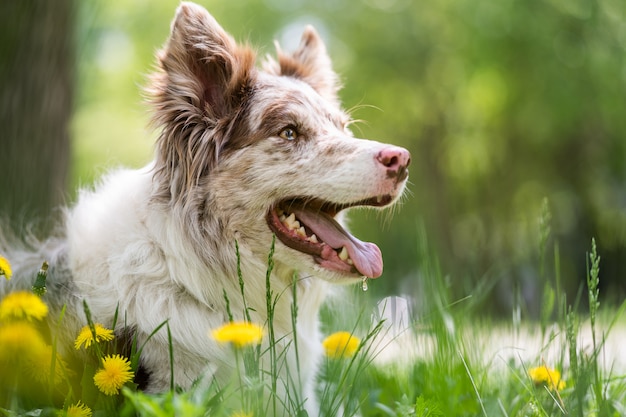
(508, 108)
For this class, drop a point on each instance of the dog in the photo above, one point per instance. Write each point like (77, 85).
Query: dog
(246, 155)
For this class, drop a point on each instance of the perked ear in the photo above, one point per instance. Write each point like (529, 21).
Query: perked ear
(202, 79)
(202, 66)
(310, 63)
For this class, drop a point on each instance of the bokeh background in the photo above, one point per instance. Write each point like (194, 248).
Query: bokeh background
(510, 108)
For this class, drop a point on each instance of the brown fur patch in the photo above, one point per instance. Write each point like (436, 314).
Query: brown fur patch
(309, 63)
(202, 83)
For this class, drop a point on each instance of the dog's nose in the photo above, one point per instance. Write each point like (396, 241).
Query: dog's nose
(396, 160)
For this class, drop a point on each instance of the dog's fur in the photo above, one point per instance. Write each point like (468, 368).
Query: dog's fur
(236, 143)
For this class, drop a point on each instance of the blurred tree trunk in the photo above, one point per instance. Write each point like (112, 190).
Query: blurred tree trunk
(36, 75)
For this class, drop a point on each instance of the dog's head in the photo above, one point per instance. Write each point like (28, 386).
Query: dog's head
(246, 153)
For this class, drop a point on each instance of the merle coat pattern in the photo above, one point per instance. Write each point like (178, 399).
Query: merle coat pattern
(241, 148)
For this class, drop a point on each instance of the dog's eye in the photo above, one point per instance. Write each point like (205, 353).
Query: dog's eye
(289, 133)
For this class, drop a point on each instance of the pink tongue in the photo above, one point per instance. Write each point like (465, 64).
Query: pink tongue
(366, 256)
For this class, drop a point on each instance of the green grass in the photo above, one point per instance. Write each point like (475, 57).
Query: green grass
(448, 361)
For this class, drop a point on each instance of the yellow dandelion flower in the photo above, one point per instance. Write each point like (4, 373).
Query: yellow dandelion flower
(542, 375)
(19, 340)
(239, 334)
(22, 305)
(341, 345)
(78, 410)
(5, 268)
(85, 337)
(115, 372)
(39, 366)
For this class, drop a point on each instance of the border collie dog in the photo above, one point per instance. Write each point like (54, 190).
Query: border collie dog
(245, 154)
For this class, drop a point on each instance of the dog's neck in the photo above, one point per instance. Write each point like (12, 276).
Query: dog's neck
(309, 295)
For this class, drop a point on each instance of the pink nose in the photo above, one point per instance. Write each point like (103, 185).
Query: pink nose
(396, 160)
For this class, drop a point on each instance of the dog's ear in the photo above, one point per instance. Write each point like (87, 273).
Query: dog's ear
(201, 66)
(310, 63)
(202, 79)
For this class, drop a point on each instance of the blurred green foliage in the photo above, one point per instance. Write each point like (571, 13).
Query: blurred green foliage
(502, 104)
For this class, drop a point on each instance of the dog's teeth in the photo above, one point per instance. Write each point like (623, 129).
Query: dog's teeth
(349, 261)
(282, 218)
(379, 199)
(343, 255)
(301, 232)
(291, 222)
(313, 239)
(280, 211)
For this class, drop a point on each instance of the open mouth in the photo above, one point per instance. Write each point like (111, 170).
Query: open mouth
(309, 226)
